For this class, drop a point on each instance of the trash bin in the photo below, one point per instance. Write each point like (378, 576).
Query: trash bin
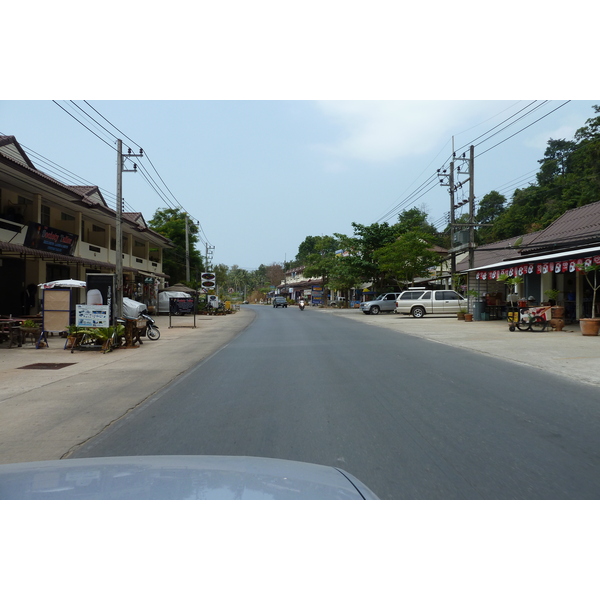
(478, 309)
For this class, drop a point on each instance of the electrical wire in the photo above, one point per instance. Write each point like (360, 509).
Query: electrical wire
(147, 157)
(84, 125)
(413, 197)
(147, 176)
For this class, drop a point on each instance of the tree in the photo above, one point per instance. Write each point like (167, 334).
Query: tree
(321, 263)
(409, 256)
(362, 263)
(170, 222)
(492, 205)
(414, 218)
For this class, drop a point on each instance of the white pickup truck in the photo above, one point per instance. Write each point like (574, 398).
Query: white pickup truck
(418, 302)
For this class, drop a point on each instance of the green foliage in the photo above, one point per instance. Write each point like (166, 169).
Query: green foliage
(569, 177)
(408, 257)
(321, 262)
(170, 223)
(30, 324)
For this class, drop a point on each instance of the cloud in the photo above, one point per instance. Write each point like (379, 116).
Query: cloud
(383, 131)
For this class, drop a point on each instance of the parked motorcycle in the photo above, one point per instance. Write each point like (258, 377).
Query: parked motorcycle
(301, 304)
(152, 332)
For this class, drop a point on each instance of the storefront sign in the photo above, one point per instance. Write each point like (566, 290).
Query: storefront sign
(48, 239)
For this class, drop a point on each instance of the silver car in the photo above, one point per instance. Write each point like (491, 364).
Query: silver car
(383, 303)
(178, 478)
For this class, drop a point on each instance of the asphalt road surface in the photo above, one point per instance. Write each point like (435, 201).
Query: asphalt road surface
(411, 418)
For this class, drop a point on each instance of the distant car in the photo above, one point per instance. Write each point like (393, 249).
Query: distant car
(383, 303)
(178, 478)
(279, 301)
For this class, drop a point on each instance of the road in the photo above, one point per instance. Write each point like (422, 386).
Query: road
(411, 418)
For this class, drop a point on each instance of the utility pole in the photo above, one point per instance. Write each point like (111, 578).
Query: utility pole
(459, 242)
(187, 250)
(118, 296)
(472, 207)
(209, 257)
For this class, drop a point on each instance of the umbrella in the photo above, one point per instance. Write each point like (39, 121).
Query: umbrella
(69, 283)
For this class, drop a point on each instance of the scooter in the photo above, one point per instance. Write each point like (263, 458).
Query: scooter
(152, 331)
(301, 304)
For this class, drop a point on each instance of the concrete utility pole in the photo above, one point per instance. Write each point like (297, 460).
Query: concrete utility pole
(209, 257)
(472, 207)
(187, 250)
(118, 296)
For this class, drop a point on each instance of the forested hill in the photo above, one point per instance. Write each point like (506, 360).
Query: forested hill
(569, 177)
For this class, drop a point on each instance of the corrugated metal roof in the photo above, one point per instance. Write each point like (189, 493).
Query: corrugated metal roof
(575, 226)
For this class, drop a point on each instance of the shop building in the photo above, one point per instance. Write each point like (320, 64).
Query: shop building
(545, 260)
(50, 231)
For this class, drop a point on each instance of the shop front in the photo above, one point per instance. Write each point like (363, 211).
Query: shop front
(544, 279)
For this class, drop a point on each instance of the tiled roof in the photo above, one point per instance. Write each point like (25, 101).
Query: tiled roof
(497, 251)
(577, 228)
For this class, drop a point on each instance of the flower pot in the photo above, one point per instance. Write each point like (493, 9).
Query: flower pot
(589, 326)
(460, 316)
(557, 324)
(558, 312)
(468, 317)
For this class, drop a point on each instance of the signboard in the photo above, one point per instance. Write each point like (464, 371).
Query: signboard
(317, 294)
(208, 280)
(92, 315)
(56, 309)
(179, 306)
(48, 239)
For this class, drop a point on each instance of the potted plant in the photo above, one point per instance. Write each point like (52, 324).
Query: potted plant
(558, 312)
(590, 326)
(461, 314)
(74, 335)
(29, 326)
(552, 296)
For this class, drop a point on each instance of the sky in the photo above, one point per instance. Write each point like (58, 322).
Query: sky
(261, 175)
(269, 122)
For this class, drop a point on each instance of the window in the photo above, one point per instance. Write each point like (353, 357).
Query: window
(66, 217)
(45, 215)
(426, 296)
(411, 295)
(446, 295)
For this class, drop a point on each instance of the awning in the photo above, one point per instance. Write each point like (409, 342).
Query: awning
(557, 262)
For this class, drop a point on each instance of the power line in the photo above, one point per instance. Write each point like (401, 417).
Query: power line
(149, 176)
(524, 128)
(412, 198)
(83, 124)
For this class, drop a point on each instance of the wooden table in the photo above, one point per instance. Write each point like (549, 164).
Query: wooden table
(10, 330)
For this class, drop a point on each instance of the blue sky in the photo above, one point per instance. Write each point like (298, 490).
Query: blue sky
(269, 122)
(260, 176)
